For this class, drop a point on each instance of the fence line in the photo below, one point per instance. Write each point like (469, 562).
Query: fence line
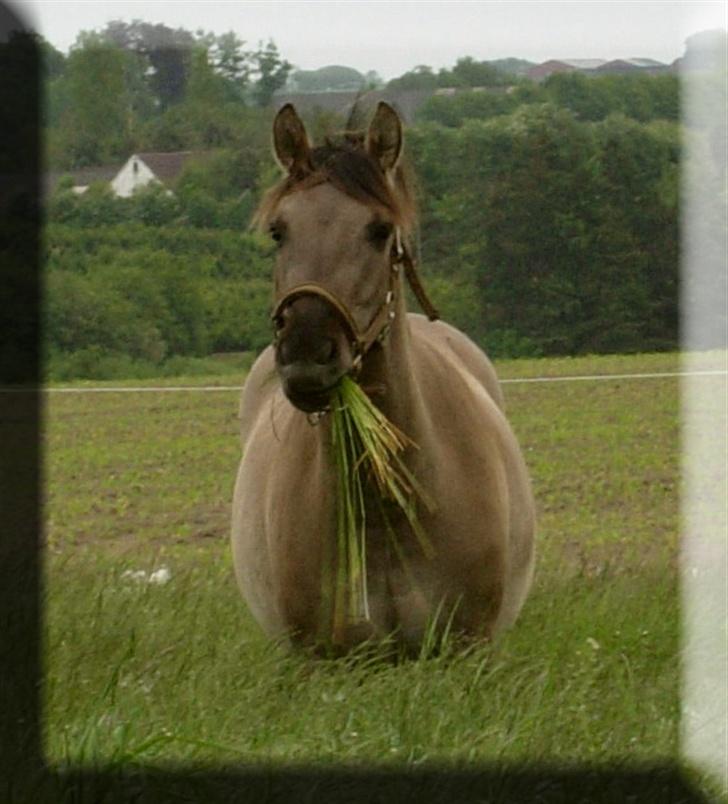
(511, 381)
(645, 376)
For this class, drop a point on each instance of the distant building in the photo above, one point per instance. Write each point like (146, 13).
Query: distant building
(596, 67)
(138, 171)
(83, 178)
(542, 71)
(642, 66)
(143, 169)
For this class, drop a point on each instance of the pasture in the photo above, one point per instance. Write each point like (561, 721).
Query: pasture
(138, 671)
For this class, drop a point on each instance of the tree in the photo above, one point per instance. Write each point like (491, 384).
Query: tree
(569, 229)
(531, 202)
(453, 110)
(638, 231)
(205, 87)
(165, 50)
(421, 77)
(95, 122)
(470, 73)
(666, 97)
(333, 77)
(232, 63)
(587, 98)
(223, 174)
(53, 62)
(373, 80)
(271, 71)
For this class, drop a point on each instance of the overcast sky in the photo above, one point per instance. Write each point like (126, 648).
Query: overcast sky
(392, 37)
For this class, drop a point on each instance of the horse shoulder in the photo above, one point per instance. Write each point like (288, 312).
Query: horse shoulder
(258, 389)
(457, 346)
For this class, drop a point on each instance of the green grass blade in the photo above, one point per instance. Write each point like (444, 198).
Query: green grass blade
(367, 449)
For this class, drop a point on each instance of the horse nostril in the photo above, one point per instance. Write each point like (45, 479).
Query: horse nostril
(326, 352)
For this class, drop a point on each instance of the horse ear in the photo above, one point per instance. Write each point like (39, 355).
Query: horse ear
(384, 138)
(290, 141)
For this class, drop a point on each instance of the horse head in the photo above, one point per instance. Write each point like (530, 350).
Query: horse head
(337, 220)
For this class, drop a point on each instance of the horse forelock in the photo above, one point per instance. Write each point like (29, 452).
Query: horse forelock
(351, 170)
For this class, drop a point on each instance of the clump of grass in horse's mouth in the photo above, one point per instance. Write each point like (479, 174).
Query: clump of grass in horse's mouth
(367, 451)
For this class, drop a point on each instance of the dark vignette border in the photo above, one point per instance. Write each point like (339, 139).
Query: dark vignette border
(24, 775)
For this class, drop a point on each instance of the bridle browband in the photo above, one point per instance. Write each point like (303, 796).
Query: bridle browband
(378, 328)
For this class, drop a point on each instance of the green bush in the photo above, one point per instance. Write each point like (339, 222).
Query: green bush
(507, 343)
(152, 293)
(453, 110)
(153, 205)
(97, 363)
(565, 231)
(546, 228)
(81, 312)
(238, 314)
(94, 363)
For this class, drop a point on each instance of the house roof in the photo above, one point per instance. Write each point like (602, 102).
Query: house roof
(629, 65)
(597, 66)
(82, 177)
(166, 166)
(583, 64)
(546, 68)
(640, 62)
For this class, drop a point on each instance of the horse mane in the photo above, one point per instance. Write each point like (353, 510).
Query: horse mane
(345, 163)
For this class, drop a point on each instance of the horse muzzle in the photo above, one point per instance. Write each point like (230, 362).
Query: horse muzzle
(312, 351)
(308, 386)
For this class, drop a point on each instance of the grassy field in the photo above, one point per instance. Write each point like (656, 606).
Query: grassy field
(143, 672)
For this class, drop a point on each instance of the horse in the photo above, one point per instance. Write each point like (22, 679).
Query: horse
(341, 223)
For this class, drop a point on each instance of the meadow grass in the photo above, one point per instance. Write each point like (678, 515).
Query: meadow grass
(137, 672)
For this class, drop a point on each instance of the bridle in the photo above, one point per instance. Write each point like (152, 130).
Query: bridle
(378, 328)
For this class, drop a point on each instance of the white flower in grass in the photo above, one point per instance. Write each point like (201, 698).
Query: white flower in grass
(160, 576)
(134, 575)
(593, 643)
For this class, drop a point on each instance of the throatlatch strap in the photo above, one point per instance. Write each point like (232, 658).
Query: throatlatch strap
(410, 271)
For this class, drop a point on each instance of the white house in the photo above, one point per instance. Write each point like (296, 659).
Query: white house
(143, 168)
(138, 171)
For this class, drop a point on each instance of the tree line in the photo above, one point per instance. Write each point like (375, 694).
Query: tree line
(138, 86)
(549, 213)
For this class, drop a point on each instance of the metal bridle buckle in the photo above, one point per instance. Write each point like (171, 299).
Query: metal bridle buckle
(398, 245)
(315, 417)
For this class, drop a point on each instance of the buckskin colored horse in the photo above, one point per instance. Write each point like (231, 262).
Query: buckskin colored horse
(342, 220)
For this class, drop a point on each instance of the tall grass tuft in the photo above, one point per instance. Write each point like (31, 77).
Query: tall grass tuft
(367, 450)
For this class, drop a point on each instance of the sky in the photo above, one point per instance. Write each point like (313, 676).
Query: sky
(392, 36)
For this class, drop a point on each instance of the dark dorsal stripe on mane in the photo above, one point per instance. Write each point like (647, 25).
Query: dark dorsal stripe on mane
(350, 169)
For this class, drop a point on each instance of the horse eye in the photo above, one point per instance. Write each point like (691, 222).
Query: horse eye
(276, 232)
(378, 233)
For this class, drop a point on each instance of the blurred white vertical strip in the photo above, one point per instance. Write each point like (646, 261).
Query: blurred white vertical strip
(704, 338)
